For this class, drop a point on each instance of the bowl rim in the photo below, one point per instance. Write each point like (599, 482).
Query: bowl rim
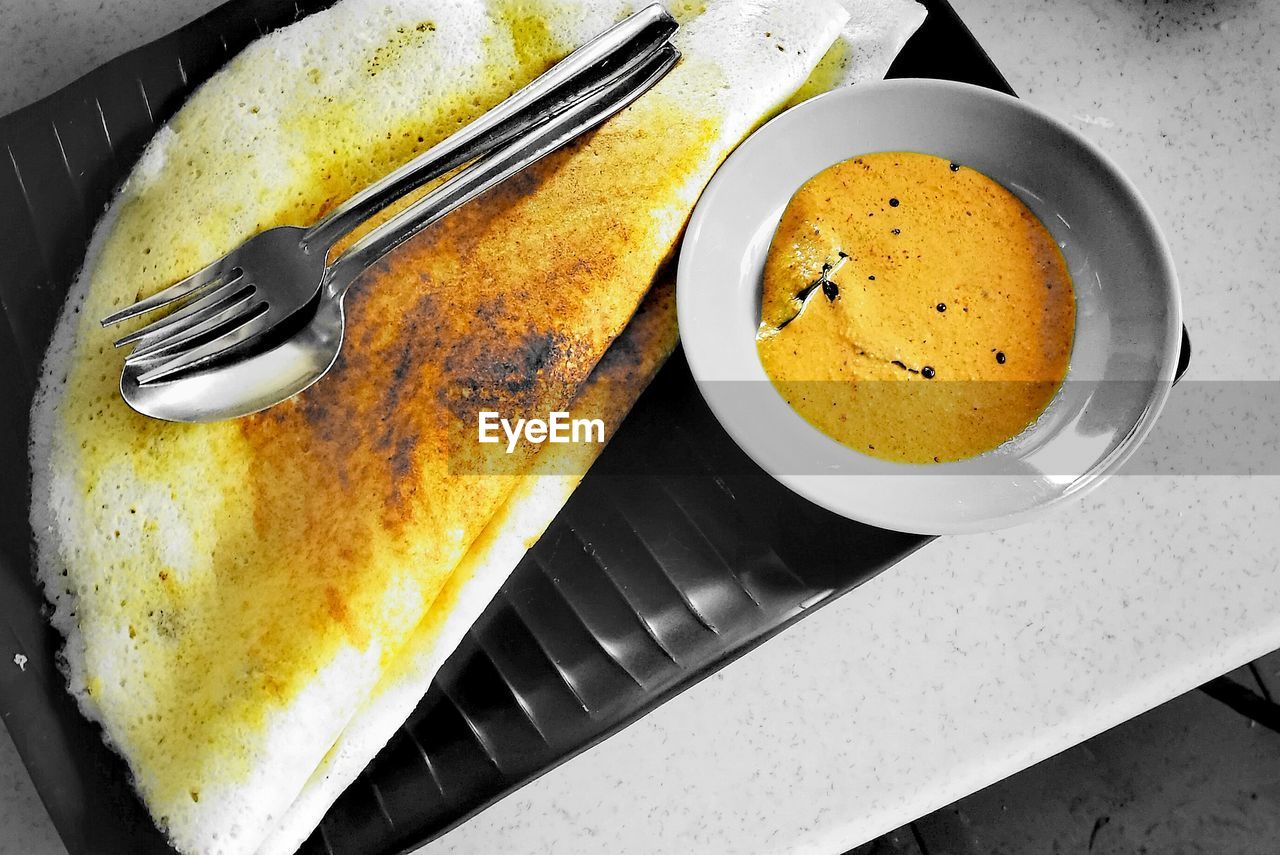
(803, 485)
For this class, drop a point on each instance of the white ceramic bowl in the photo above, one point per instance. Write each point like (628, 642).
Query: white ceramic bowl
(1128, 319)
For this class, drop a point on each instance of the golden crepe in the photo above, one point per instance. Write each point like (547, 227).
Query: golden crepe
(252, 607)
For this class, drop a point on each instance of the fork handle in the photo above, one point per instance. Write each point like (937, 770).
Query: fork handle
(588, 68)
(582, 116)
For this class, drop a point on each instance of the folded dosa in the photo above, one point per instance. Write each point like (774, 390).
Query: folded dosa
(233, 594)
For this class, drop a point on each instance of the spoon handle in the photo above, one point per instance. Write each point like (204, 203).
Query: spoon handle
(583, 115)
(556, 90)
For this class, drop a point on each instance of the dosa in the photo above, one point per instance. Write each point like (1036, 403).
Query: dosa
(244, 602)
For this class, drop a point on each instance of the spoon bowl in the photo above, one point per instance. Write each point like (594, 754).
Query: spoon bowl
(249, 384)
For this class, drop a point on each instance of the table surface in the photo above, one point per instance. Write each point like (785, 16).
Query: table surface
(979, 655)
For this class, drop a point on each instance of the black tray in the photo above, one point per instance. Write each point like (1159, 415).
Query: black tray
(652, 577)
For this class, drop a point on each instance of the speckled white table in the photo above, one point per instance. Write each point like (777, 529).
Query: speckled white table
(979, 655)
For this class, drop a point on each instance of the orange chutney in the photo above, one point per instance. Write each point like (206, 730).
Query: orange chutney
(939, 315)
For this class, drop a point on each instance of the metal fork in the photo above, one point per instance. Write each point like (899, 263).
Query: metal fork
(235, 300)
